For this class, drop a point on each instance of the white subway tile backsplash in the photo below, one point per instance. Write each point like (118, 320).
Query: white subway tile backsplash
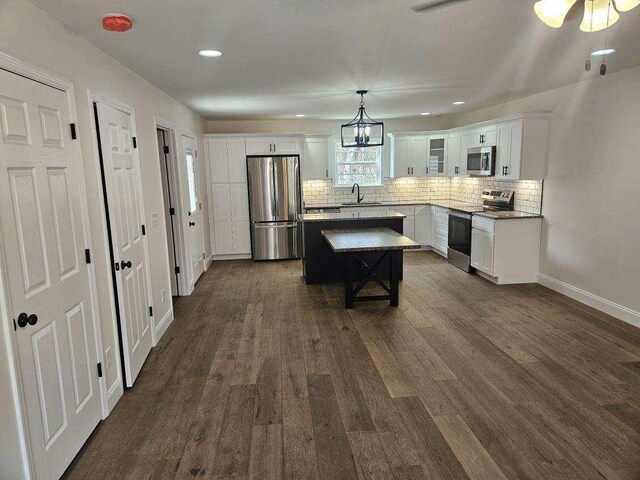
(528, 193)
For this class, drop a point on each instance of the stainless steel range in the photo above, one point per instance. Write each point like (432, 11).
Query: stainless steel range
(459, 251)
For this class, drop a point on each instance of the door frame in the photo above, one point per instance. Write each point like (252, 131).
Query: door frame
(182, 178)
(30, 72)
(175, 184)
(94, 97)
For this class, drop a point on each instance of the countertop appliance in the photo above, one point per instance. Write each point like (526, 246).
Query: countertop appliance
(481, 161)
(460, 225)
(274, 205)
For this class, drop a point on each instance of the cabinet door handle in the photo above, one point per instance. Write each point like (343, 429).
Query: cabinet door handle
(411, 170)
(408, 170)
(326, 173)
(274, 147)
(506, 170)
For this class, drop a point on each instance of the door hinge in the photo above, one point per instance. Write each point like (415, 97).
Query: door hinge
(166, 149)
(15, 327)
(177, 269)
(135, 142)
(195, 153)
(151, 311)
(99, 369)
(87, 255)
(172, 211)
(74, 135)
(144, 230)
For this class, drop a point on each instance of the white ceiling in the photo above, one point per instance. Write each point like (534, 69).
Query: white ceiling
(284, 57)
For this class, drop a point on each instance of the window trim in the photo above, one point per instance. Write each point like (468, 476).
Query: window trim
(380, 162)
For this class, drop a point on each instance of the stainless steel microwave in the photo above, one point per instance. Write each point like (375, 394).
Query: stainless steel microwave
(481, 161)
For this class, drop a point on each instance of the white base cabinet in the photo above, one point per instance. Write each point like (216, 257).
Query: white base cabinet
(506, 251)
(440, 229)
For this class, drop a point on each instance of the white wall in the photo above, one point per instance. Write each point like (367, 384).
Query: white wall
(591, 201)
(31, 35)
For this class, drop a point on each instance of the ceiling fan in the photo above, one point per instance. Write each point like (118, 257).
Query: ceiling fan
(423, 7)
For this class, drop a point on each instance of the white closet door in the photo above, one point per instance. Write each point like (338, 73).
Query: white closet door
(124, 198)
(42, 237)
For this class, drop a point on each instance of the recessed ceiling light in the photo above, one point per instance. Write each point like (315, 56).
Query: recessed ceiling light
(210, 53)
(606, 51)
(459, 102)
(300, 115)
(425, 113)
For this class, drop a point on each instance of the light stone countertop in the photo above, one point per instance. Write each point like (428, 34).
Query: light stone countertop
(334, 217)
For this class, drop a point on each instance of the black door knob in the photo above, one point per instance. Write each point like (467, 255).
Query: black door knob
(124, 264)
(33, 319)
(23, 319)
(192, 224)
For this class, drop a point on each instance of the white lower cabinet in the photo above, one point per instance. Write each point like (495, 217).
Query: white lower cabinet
(506, 251)
(440, 229)
(409, 223)
(422, 224)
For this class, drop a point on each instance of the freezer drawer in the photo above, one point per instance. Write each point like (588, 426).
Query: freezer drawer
(276, 241)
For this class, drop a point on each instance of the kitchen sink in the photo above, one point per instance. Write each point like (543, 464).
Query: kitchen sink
(355, 204)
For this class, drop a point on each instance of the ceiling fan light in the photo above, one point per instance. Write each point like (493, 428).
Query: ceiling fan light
(598, 15)
(553, 12)
(626, 5)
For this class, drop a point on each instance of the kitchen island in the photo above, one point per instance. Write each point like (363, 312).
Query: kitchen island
(321, 264)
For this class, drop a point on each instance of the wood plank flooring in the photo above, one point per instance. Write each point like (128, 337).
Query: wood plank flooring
(263, 377)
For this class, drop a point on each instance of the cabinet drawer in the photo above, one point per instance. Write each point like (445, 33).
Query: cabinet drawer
(483, 223)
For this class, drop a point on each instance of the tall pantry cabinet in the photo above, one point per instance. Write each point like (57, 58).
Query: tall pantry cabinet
(230, 198)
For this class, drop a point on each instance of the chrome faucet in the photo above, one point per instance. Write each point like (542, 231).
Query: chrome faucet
(353, 189)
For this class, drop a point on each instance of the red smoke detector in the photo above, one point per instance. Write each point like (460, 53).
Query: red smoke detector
(116, 22)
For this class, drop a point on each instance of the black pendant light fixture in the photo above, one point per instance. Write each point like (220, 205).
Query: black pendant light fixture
(362, 131)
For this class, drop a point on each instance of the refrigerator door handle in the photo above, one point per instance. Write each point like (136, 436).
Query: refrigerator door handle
(278, 225)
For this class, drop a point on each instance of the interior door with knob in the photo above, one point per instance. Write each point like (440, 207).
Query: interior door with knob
(47, 276)
(194, 203)
(123, 189)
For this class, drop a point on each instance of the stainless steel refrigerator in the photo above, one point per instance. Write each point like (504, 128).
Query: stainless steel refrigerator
(274, 204)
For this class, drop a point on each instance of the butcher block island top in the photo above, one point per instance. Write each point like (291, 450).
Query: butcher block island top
(367, 240)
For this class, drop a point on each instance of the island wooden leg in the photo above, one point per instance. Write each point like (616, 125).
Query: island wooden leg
(348, 280)
(395, 267)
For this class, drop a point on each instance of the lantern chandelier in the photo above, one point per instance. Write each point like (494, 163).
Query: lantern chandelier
(598, 14)
(362, 131)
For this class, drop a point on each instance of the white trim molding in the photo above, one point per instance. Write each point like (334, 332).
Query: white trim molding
(164, 323)
(602, 304)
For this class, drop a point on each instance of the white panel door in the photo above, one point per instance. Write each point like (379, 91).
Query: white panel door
(124, 198)
(315, 163)
(218, 160)
(195, 231)
(222, 222)
(418, 156)
(42, 233)
(240, 218)
(237, 158)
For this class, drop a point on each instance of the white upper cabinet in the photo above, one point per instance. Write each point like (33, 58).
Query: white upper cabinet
(316, 159)
(484, 136)
(522, 148)
(458, 144)
(227, 160)
(273, 145)
(437, 154)
(408, 156)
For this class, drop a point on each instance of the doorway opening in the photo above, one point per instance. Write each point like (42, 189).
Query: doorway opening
(167, 157)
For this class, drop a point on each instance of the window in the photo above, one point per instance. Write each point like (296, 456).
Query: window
(192, 182)
(362, 165)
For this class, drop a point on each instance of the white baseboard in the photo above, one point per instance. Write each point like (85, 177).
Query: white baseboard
(611, 308)
(113, 395)
(240, 256)
(164, 323)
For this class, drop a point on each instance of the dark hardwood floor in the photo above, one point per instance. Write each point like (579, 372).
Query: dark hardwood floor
(262, 377)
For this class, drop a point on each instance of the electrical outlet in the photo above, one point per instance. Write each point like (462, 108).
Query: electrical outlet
(108, 358)
(162, 296)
